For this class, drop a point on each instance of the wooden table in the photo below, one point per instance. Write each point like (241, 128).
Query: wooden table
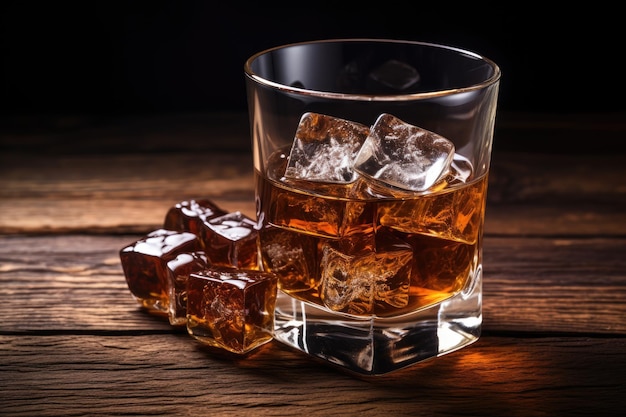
(73, 191)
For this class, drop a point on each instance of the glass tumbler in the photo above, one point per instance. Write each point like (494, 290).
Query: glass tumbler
(371, 161)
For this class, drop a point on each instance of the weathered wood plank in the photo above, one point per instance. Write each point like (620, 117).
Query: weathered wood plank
(567, 194)
(529, 194)
(540, 285)
(555, 284)
(97, 375)
(74, 342)
(123, 193)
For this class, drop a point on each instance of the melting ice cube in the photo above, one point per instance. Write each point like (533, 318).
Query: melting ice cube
(403, 155)
(366, 282)
(461, 168)
(324, 149)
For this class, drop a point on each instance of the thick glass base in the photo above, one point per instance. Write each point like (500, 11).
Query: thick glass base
(376, 346)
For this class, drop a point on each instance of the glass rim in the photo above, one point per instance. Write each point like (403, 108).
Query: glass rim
(494, 78)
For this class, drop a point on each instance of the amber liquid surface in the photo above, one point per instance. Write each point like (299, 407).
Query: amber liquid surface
(366, 250)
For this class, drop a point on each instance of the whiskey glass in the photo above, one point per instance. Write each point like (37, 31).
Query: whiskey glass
(371, 161)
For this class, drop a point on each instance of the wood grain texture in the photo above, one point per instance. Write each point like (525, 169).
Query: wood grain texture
(73, 342)
(169, 374)
(531, 285)
(529, 194)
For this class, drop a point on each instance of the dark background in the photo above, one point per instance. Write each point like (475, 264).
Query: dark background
(147, 57)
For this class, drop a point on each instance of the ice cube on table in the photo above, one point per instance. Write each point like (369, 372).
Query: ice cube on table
(324, 149)
(189, 215)
(144, 263)
(231, 309)
(402, 155)
(230, 240)
(178, 270)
